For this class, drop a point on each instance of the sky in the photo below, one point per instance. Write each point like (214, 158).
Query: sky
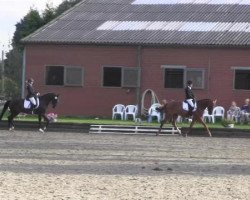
(12, 11)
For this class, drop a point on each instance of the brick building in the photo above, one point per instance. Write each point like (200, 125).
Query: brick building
(104, 52)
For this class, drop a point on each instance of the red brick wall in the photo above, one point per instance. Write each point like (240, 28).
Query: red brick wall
(94, 100)
(217, 63)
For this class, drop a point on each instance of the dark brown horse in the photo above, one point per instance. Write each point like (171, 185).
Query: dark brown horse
(174, 109)
(16, 106)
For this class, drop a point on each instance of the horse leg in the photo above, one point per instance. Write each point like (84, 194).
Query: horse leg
(174, 124)
(46, 120)
(40, 123)
(204, 124)
(191, 126)
(162, 123)
(11, 122)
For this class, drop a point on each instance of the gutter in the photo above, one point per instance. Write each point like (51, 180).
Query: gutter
(23, 73)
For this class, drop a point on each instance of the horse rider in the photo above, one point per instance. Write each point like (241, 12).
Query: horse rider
(190, 99)
(31, 95)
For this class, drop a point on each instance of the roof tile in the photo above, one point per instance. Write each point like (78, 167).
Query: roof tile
(144, 22)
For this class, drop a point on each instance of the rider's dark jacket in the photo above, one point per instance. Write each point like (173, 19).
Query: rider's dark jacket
(31, 92)
(189, 93)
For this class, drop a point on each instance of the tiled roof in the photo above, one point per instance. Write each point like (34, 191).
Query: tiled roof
(151, 22)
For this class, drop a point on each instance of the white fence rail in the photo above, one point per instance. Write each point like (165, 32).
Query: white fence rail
(120, 129)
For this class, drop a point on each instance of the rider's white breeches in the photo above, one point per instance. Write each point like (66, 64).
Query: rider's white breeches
(190, 102)
(32, 100)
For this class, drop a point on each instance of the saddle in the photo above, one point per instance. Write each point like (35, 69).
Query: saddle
(185, 106)
(27, 104)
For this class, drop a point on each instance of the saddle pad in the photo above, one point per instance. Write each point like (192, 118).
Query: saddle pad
(185, 106)
(27, 104)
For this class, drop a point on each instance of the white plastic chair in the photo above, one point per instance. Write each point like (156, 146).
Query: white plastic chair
(153, 113)
(118, 110)
(208, 117)
(218, 111)
(130, 110)
(179, 119)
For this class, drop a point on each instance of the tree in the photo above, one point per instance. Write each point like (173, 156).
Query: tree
(13, 62)
(65, 5)
(30, 23)
(48, 14)
(11, 89)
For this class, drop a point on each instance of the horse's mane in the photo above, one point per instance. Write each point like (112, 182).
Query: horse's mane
(50, 94)
(173, 101)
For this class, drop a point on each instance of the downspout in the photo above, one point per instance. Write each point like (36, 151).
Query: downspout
(23, 72)
(138, 89)
(209, 76)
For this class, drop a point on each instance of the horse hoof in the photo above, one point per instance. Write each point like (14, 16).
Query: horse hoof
(11, 129)
(41, 130)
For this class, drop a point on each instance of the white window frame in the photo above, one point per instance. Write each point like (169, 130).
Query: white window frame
(185, 70)
(123, 69)
(137, 84)
(202, 70)
(64, 75)
(234, 75)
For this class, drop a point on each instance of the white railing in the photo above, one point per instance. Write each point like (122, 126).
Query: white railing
(124, 129)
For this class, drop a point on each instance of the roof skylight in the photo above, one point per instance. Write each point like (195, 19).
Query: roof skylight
(175, 26)
(167, 2)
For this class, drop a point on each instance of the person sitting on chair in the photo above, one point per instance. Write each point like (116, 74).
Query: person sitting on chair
(190, 99)
(245, 112)
(233, 112)
(31, 95)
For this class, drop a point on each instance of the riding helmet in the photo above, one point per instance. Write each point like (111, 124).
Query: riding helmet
(189, 82)
(30, 80)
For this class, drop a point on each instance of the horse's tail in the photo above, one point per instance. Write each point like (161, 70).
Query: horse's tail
(5, 107)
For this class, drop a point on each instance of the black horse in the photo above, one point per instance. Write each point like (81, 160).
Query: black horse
(17, 106)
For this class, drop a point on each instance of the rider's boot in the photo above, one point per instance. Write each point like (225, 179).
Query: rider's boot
(190, 111)
(32, 109)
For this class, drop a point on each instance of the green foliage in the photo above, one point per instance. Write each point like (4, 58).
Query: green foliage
(30, 23)
(65, 5)
(48, 14)
(13, 65)
(11, 89)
